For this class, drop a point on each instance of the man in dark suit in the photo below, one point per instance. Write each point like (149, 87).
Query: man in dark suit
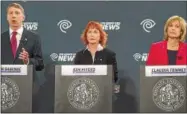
(19, 46)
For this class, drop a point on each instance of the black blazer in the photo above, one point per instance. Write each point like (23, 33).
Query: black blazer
(32, 44)
(104, 56)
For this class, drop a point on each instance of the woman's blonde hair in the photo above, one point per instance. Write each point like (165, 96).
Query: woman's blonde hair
(183, 26)
(98, 26)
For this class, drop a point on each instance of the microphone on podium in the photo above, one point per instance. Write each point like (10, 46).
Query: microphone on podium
(22, 44)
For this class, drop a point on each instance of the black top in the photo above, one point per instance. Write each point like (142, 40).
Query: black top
(172, 56)
(104, 56)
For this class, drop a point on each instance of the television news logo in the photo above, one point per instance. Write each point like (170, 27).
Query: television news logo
(147, 24)
(65, 57)
(111, 25)
(64, 25)
(140, 57)
(33, 26)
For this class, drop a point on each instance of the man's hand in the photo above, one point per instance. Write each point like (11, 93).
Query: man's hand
(24, 56)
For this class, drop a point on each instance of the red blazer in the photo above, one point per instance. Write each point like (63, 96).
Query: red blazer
(158, 54)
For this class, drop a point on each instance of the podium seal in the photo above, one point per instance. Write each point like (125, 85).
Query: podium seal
(168, 94)
(83, 93)
(9, 93)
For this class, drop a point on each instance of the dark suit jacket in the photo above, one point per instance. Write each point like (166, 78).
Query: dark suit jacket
(105, 56)
(158, 54)
(32, 44)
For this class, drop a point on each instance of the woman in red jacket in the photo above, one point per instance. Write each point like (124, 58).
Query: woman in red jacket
(172, 50)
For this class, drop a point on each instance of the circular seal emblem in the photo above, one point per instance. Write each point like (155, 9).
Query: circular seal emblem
(83, 93)
(168, 94)
(9, 93)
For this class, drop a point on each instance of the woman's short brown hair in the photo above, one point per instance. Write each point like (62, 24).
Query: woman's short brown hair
(98, 26)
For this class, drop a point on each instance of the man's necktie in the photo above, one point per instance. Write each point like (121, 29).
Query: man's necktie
(14, 43)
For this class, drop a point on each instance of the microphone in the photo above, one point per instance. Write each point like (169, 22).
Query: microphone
(98, 59)
(22, 43)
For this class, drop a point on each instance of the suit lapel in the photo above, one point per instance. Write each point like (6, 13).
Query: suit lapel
(8, 46)
(181, 49)
(99, 57)
(181, 52)
(165, 53)
(21, 45)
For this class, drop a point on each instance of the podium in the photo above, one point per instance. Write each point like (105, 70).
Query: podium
(83, 88)
(16, 88)
(163, 89)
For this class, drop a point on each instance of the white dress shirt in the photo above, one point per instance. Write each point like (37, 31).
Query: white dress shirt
(99, 48)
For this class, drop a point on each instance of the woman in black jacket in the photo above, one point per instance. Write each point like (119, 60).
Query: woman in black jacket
(95, 38)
